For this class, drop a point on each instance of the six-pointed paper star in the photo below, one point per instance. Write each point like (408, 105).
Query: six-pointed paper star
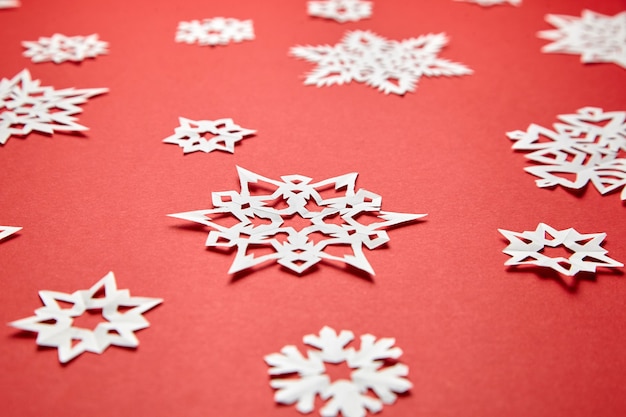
(336, 221)
(60, 48)
(190, 135)
(54, 323)
(6, 231)
(340, 10)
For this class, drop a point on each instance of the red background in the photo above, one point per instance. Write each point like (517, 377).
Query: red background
(480, 340)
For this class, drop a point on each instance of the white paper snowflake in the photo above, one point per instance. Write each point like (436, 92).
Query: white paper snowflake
(224, 134)
(6, 4)
(25, 106)
(331, 223)
(215, 31)
(526, 248)
(486, 3)
(54, 324)
(390, 66)
(596, 37)
(6, 231)
(340, 10)
(350, 398)
(589, 145)
(60, 48)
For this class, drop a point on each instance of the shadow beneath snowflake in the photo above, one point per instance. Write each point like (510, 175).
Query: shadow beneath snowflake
(569, 284)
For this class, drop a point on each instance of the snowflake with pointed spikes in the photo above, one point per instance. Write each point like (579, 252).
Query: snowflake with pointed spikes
(60, 48)
(340, 10)
(390, 66)
(589, 146)
(54, 324)
(6, 231)
(6, 4)
(486, 3)
(350, 398)
(190, 135)
(25, 106)
(215, 31)
(596, 37)
(337, 221)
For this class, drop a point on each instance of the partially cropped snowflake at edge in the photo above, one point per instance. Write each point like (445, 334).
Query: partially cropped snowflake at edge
(215, 31)
(489, 3)
(340, 10)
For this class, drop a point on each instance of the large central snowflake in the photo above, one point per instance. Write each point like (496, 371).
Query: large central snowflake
(390, 66)
(348, 397)
(338, 222)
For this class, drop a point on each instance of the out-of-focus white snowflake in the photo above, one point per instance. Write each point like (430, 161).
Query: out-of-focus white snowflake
(346, 220)
(390, 66)
(6, 231)
(596, 37)
(340, 10)
(60, 48)
(25, 106)
(589, 146)
(7, 4)
(526, 248)
(351, 397)
(122, 317)
(215, 31)
(486, 3)
(224, 134)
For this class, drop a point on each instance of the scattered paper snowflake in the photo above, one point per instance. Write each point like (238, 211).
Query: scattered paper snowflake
(54, 324)
(190, 135)
(526, 248)
(341, 10)
(596, 37)
(6, 231)
(25, 106)
(332, 223)
(350, 398)
(486, 3)
(215, 31)
(390, 66)
(60, 48)
(6, 4)
(589, 146)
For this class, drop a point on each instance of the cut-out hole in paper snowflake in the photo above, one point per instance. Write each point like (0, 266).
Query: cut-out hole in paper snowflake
(340, 10)
(6, 231)
(122, 316)
(60, 48)
(215, 31)
(390, 66)
(260, 223)
(370, 374)
(25, 106)
(488, 3)
(222, 135)
(596, 37)
(588, 147)
(7, 4)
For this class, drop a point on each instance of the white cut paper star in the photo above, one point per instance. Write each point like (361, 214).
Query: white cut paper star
(215, 31)
(190, 135)
(487, 3)
(261, 221)
(7, 4)
(390, 66)
(60, 48)
(526, 248)
(6, 231)
(596, 37)
(340, 10)
(54, 324)
(25, 106)
(351, 398)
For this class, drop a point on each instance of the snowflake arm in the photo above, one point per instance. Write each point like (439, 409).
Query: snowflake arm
(7, 4)
(6, 231)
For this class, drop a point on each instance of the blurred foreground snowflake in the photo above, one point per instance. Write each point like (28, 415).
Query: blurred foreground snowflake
(340, 10)
(60, 48)
(7, 4)
(215, 31)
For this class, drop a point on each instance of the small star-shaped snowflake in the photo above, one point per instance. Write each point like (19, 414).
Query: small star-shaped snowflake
(6, 231)
(25, 106)
(53, 323)
(596, 37)
(390, 66)
(60, 48)
(190, 135)
(215, 31)
(6, 4)
(486, 3)
(340, 10)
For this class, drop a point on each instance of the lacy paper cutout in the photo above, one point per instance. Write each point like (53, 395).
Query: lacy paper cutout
(60, 48)
(350, 398)
(335, 222)
(190, 135)
(588, 145)
(487, 3)
(526, 248)
(6, 231)
(25, 106)
(390, 66)
(7, 4)
(215, 31)
(340, 10)
(117, 328)
(596, 37)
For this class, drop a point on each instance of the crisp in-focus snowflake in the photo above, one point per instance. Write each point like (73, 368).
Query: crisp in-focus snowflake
(588, 146)
(350, 398)
(596, 37)
(486, 3)
(122, 317)
(215, 31)
(526, 248)
(224, 134)
(262, 207)
(25, 106)
(6, 231)
(340, 10)
(60, 48)
(390, 66)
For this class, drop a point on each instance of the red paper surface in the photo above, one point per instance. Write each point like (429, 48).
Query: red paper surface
(480, 340)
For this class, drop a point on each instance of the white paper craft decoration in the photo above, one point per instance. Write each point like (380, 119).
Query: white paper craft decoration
(7, 4)
(487, 3)
(6, 231)
(340, 10)
(215, 31)
(60, 48)
(224, 134)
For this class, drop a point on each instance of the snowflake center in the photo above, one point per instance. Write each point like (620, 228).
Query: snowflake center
(89, 320)
(295, 221)
(556, 252)
(338, 371)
